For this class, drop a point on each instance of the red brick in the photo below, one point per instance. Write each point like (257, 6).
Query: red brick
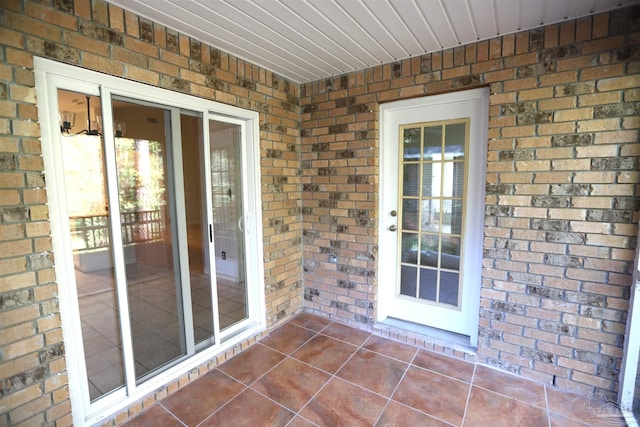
(51, 16)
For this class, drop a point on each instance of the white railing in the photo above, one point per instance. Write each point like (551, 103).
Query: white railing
(91, 232)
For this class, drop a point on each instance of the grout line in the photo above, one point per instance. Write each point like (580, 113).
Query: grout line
(281, 352)
(466, 405)
(258, 378)
(391, 357)
(171, 413)
(307, 328)
(396, 387)
(332, 375)
(546, 401)
(225, 404)
(410, 364)
(533, 405)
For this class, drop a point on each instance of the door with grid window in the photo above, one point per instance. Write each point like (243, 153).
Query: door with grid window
(433, 175)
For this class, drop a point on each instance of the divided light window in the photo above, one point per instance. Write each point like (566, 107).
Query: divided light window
(432, 188)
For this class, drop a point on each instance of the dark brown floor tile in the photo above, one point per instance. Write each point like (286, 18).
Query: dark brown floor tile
(561, 421)
(156, 416)
(300, 422)
(291, 383)
(519, 388)
(252, 363)
(390, 348)
(287, 338)
(196, 401)
(340, 403)
(435, 394)
(346, 333)
(325, 353)
(445, 365)
(373, 371)
(249, 409)
(309, 321)
(593, 411)
(502, 411)
(397, 415)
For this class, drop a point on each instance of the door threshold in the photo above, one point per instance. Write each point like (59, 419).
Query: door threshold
(432, 339)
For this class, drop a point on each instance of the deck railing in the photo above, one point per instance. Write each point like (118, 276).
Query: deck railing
(92, 232)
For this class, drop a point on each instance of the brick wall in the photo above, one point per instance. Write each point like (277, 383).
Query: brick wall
(561, 206)
(102, 37)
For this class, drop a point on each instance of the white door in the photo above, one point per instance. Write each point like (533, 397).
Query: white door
(433, 166)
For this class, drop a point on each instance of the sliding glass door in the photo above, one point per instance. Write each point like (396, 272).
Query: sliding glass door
(226, 197)
(143, 222)
(89, 226)
(154, 219)
(144, 160)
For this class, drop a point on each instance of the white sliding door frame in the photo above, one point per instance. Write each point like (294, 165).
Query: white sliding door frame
(629, 369)
(51, 76)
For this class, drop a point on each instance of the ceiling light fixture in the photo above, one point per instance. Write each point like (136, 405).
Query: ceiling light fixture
(67, 120)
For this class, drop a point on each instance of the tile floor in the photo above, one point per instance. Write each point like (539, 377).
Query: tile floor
(314, 372)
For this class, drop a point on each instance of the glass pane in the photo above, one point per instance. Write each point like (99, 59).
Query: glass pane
(411, 144)
(428, 284)
(456, 216)
(408, 278)
(411, 179)
(143, 161)
(454, 141)
(457, 180)
(429, 250)
(451, 216)
(409, 248)
(228, 234)
(440, 200)
(450, 253)
(431, 180)
(449, 287)
(83, 157)
(432, 143)
(197, 230)
(447, 179)
(410, 214)
(431, 215)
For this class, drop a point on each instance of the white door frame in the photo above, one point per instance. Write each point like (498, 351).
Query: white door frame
(51, 75)
(394, 114)
(629, 369)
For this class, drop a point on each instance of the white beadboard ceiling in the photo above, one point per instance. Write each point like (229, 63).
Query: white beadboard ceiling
(306, 40)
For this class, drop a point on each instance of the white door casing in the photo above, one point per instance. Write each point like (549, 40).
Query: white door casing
(472, 104)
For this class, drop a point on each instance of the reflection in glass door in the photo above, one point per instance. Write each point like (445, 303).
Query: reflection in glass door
(432, 169)
(195, 194)
(227, 214)
(89, 221)
(144, 164)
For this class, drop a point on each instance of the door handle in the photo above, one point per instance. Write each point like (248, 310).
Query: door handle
(392, 228)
